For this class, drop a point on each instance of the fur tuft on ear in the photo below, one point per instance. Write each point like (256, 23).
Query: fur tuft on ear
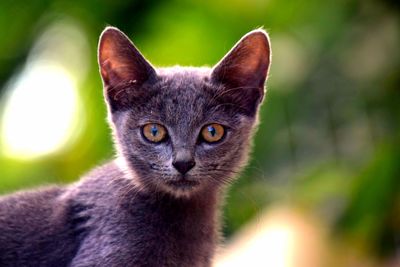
(243, 70)
(122, 67)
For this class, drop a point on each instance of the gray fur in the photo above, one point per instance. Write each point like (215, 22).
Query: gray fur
(127, 212)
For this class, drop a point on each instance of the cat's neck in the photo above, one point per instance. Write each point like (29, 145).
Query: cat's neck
(185, 230)
(182, 229)
(160, 229)
(201, 206)
(188, 214)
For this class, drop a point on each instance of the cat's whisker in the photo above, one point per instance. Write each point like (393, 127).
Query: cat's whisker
(220, 180)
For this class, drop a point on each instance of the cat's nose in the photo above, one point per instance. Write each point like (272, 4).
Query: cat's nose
(183, 166)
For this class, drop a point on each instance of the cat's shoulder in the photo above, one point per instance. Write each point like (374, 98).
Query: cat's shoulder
(44, 197)
(27, 199)
(103, 178)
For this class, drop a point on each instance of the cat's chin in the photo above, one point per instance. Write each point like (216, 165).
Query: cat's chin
(182, 187)
(183, 184)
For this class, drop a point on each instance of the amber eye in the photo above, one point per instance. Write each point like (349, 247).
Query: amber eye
(212, 132)
(154, 132)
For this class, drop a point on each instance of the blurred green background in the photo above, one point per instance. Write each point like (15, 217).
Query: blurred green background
(328, 143)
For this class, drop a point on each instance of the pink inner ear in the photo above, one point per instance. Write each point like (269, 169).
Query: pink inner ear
(120, 61)
(114, 70)
(252, 56)
(247, 63)
(112, 65)
(256, 58)
(123, 69)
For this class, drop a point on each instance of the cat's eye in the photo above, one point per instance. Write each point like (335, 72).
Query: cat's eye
(154, 132)
(213, 132)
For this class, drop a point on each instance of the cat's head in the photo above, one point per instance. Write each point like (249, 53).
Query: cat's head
(182, 129)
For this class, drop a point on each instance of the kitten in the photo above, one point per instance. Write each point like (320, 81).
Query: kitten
(181, 134)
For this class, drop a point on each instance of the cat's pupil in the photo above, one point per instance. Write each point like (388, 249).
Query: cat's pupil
(212, 131)
(154, 130)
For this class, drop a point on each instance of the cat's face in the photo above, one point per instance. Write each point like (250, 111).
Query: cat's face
(182, 130)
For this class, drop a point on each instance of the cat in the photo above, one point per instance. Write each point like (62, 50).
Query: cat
(181, 135)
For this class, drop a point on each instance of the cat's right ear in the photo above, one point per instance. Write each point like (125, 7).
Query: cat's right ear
(122, 67)
(243, 71)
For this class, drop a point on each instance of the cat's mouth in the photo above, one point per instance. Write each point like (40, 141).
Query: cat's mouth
(183, 183)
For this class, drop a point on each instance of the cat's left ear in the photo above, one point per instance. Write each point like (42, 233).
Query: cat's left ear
(243, 71)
